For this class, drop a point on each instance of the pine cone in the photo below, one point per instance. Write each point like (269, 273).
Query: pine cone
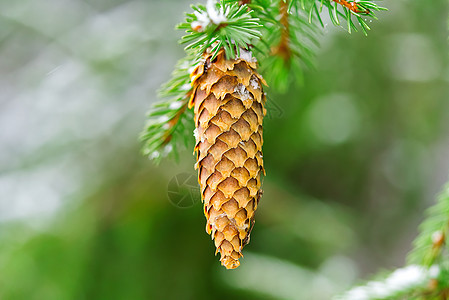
(228, 103)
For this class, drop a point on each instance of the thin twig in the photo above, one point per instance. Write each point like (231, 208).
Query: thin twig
(173, 122)
(353, 6)
(283, 49)
(242, 2)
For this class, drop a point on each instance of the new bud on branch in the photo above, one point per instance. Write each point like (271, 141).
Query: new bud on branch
(228, 103)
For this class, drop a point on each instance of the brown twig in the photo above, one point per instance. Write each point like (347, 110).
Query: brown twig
(438, 243)
(172, 122)
(242, 2)
(283, 49)
(352, 6)
(434, 291)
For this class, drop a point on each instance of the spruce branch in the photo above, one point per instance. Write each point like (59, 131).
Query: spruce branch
(168, 121)
(226, 25)
(242, 2)
(345, 9)
(289, 42)
(427, 276)
(411, 282)
(354, 6)
(279, 31)
(215, 26)
(283, 49)
(430, 245)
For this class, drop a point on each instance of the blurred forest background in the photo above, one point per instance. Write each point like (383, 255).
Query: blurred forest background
(353, 158)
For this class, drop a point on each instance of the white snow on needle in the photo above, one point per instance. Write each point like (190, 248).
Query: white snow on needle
(247, 55)
(217, 17)
(202, 21)
(400, 280)
(211, 15)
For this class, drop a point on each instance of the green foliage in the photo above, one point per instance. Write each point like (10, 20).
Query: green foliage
(409, 283)
(224, 25)
(430, 245)
(168, 121)
(284, 42)
(281, 71)
(405, 283)
(428, 261)
(221, 25)
(336, 11)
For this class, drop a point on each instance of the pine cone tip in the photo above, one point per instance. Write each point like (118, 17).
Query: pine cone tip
(229, 263)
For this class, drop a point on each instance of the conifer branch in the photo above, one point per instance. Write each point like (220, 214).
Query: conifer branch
(280, 32)
(283, 49)
(289, 42)
(350, 8)
(353, 6)
(427, 276)
(219, 25)
(222, 25)
(243, 2)
(168, 121)
(430, 245)
(411, 282)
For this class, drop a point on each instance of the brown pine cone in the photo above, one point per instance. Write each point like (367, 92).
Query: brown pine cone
(228, 103)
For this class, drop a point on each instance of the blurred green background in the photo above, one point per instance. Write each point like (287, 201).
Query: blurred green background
(353, 157)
